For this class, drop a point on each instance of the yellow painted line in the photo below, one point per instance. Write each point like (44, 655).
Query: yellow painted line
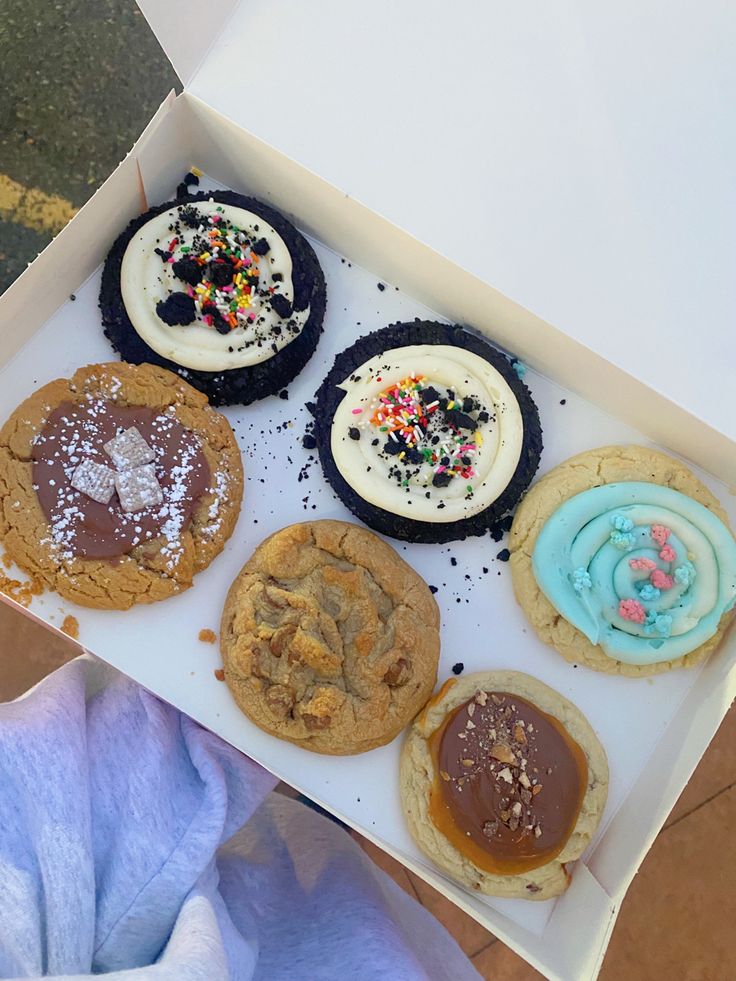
(32, 208)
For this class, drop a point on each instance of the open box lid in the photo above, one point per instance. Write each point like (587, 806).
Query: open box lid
(579, 159)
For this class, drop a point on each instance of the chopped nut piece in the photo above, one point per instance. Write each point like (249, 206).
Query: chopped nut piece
(505, 774)
(514, 823)
(537, 832)
(502, 753)
(519, 735)
(470, 725)
(467, 762)
(496, 700)
(505, 816)
(481, 697)
(516, 809)
(524, 780)
(490, 828)
(471, 709)
(536, 790)
(444, 774)
(526, 796)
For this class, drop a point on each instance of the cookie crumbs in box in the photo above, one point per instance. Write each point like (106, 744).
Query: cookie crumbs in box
(21, 592)
(207, 636)
(70, 627)
(219, 674)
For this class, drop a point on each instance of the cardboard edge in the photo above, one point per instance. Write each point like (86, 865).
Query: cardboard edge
(76, 247)
(185, 38)
(666, 774)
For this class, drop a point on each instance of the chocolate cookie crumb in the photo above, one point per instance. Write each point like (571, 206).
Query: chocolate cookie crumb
(459, 667)
(207, 636)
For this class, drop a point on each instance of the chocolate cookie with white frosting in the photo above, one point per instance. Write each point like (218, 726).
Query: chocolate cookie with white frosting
(219, 288)
(426, 432)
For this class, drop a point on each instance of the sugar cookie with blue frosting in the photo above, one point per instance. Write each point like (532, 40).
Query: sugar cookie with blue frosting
(624, 561)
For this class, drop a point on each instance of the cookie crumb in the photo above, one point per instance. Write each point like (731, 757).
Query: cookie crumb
(504, 555)
(458, 668)
(70, 627)
(433, 589)
(219, 674)
(207, 636)
(563, 401)
(453, 560)
(381, 286)
(283, 394)
(21, 592)
(309, 442)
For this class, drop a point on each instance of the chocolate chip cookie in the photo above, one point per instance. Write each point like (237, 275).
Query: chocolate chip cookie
(329, 639)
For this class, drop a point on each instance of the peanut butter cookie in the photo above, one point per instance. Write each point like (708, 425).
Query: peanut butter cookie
(117, 485)
(329, 639)
(503, 783)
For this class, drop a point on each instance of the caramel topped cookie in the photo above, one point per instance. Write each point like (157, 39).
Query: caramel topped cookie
(329, 639)
(503, 782)
(117, 485)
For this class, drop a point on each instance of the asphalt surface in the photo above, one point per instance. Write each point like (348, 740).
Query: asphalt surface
(79, 81)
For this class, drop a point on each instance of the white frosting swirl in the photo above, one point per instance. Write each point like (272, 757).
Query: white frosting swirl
(145, 280)
(497, 440)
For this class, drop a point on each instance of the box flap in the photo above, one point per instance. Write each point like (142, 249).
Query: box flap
(186, 30)
(577, 158)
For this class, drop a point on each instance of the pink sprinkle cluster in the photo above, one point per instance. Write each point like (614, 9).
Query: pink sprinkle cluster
(632, 610)
(642, 565)
(668, 554)
(661, 580)
(660, 534)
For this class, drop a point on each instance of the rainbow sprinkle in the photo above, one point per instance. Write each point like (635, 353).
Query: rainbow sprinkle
(400, 412)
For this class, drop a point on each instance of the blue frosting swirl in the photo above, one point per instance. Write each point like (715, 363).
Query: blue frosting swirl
(644, 571)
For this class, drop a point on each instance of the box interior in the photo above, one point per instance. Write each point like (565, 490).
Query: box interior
(631, 717)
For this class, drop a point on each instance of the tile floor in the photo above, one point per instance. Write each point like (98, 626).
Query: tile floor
(676, 922)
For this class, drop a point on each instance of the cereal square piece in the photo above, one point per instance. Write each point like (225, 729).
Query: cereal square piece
(138, 488)
(95, 480)
(129, 449)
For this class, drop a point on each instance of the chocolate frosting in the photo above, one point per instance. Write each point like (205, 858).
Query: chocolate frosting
(509, 784)
(82, 527)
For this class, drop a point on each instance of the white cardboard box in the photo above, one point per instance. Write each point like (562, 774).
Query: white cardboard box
(654, 731)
